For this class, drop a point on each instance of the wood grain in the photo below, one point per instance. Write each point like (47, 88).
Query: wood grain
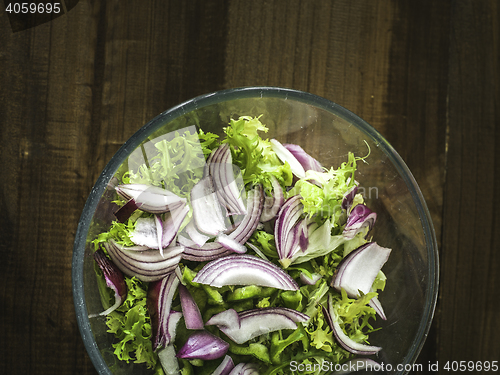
(468, 324)
(425, 74)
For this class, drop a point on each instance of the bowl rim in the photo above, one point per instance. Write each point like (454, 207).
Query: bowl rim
(245, 93)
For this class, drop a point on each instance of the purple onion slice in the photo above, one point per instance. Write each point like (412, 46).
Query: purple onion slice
(306, 160)
(254, 323)
(287, 240)
(125, 211)
(207, 211)
(148, 265)
(225, 367)
(377, 306)
(152, 199)
(244, 270)
(203, 345)
(163, 320)
(221, 168)
(190, 310)
(357, 271)
(157, 233)
(241, 234)
(360, 218)
(228, 318)
(287, 157)
(349, 197)
(272, 203)
(114, 280)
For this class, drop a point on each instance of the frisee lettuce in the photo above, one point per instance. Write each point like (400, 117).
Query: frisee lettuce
(178, 163)
(254, 155)
(323, 201)
(131, 325)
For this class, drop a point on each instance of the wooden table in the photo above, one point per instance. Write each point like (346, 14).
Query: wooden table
(425, 74)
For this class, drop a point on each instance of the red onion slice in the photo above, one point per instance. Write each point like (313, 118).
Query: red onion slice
(228, 318)
(357, 271)
(152, 199)
(286, 156)
(245, 369)
(205, 253)
(257, 322)
(230, 244)
(360, 218)
(377, 306)
(114, 280)
(125, 211)
(345, 341)
(198, 238)
(306, 160)
(295, 315)
(287, 241)
(190, 310)
(221, 168)
(203, 345)
(147, 265)
(241, 234)
(207, 212)
(159, 232)
(244, 270)
(225, 367)
(163, 320)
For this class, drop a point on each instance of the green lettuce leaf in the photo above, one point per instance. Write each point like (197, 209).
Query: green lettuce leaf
(120, 232)
(178, 164)
(131, 325)
(354, 314)
(254, 155)
(324, 201)
(320, 333)
(265, 242)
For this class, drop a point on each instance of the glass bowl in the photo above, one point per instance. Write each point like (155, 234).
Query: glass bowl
(328, 132)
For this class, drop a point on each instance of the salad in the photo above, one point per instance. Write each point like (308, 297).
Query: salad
(239, 255)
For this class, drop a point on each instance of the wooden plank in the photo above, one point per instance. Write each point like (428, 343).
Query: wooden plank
(45, 114)
(468, 325)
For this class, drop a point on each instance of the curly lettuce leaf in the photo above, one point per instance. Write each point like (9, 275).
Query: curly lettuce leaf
(354, 314)
(265, 242)
(131, 325)
(208, 142)
(380, 280)
(177, 163)
(120, 232)
(254, 155)
(321, 336)
(324, 201)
